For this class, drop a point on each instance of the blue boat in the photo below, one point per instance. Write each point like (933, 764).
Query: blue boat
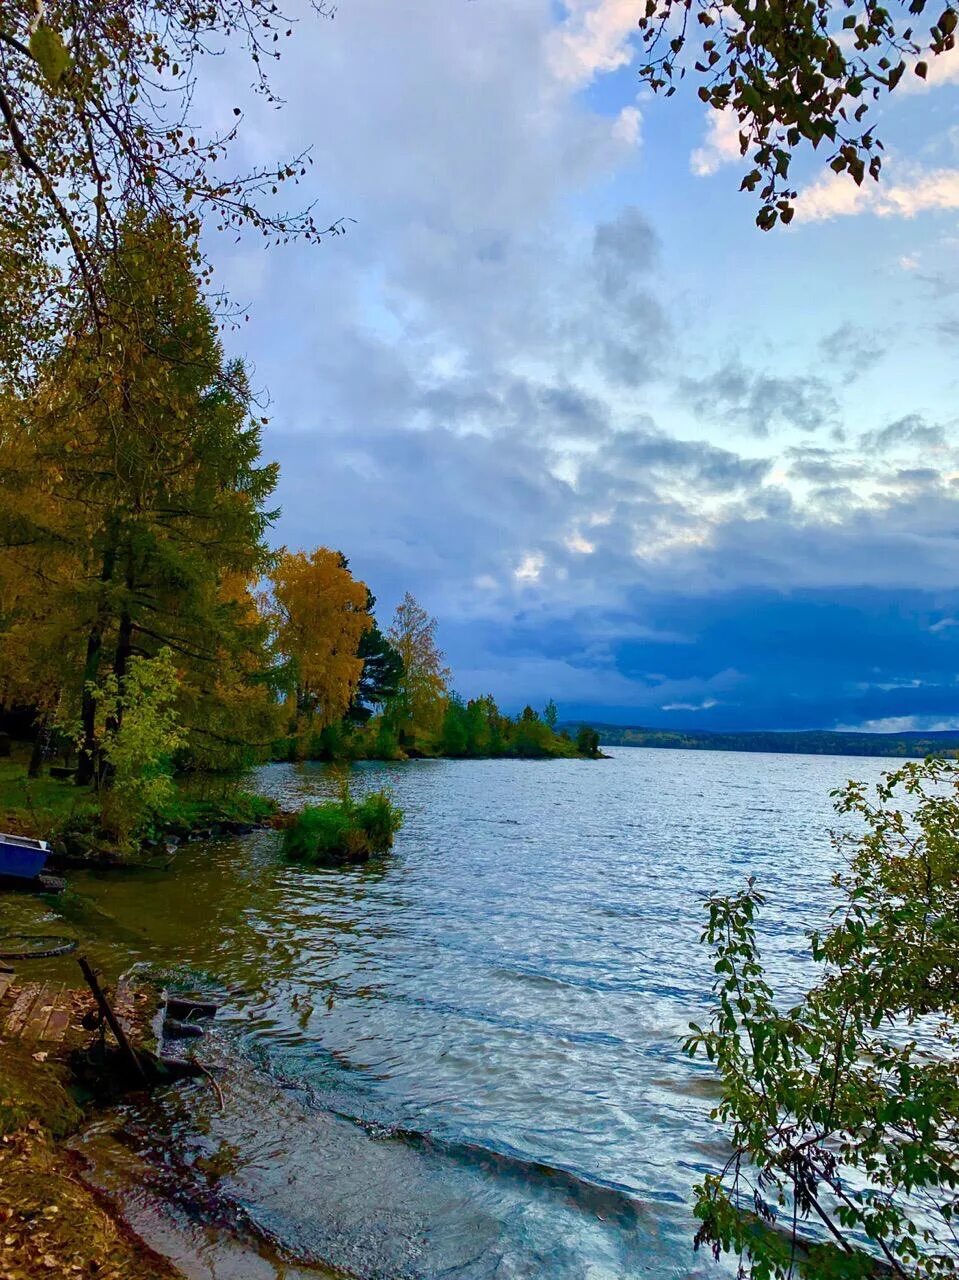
(22, 858)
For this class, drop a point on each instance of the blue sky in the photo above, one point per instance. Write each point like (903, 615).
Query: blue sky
(633, 453)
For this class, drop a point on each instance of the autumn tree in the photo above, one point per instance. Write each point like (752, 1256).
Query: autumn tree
(419, 704)
(134, 485)
(320, 616)
(795, 74)
(97, 115)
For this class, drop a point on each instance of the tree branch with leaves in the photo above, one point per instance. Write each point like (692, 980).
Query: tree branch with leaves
(97, 117)
(844, 1108)
(793, 74)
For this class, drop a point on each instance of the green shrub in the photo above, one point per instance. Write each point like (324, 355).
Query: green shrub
(343, 830)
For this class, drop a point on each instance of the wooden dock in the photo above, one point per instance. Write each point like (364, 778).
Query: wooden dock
(39, 1012)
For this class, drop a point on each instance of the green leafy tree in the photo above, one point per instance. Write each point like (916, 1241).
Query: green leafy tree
(844, 1107)
(795, 74)
(551, 715)
(455, 738)
(587, 741)
(141, 735)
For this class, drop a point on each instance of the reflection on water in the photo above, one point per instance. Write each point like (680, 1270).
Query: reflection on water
(464, 1060)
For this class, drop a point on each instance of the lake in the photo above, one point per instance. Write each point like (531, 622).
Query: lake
(463, 1060)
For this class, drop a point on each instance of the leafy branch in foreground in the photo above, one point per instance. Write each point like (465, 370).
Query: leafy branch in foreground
(844, 1109)
(795, 73)
(97, 117)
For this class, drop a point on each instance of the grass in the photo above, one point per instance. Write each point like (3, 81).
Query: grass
(34, 806)
(43, 807)
(343, 830)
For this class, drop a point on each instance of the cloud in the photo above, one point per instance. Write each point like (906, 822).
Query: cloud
(756, 402)
(917, 191)
(720, 145)
(905, 433)
(902, 724)
(852, 349)
(481, 396)
(594, 38)
(942, 69)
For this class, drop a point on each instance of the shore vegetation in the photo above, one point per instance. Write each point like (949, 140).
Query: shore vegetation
(843, 1107)
(343, 830)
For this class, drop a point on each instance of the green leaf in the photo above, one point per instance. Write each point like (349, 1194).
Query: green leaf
(50, 54)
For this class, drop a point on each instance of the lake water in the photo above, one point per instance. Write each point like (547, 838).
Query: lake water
(465, 1059)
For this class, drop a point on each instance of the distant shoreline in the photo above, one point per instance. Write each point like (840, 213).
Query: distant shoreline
(825, 742)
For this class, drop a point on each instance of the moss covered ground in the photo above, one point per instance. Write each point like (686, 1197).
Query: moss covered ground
(51, 1224)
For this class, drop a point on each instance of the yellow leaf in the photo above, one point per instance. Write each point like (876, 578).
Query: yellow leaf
(50, 53)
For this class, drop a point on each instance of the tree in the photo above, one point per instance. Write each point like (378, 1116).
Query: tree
(794, 73)
(134, 486)
(320, 617)
(419, 704)
(551, 715)
(96, 117)
(587, 741)
(140, 735)
(845, 1107)
(381, 674)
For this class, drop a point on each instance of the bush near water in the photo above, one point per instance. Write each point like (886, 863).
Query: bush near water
(343, 830)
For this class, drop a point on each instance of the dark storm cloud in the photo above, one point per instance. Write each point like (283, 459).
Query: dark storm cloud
(758, 402)
(469, 396)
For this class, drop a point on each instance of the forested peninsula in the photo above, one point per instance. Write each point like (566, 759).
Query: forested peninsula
(150, 636)
(813, 742)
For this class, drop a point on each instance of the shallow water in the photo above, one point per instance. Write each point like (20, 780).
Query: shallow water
(463, 1060)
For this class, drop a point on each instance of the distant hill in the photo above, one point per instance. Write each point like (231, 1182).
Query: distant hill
(813, 742)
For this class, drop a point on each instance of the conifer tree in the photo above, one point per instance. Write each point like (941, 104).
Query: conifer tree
(136, 485)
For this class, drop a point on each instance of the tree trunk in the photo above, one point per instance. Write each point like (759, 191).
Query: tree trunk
(87, 762)
(39, 747)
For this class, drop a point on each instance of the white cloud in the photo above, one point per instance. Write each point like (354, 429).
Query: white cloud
(943, 69)
(628, 126)
(530, 567)
(720, 145)
(901, 724)
(837, 196)
(705, 705)
(594, 39)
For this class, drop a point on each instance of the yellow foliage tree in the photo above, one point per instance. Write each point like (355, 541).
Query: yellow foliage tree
(320, 613)
(420, 702)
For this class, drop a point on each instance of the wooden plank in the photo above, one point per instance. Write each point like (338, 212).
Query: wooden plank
(61, 1015)
(45, 1003)
(17, 1017)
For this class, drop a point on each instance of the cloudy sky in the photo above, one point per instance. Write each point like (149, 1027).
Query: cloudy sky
(633, 453)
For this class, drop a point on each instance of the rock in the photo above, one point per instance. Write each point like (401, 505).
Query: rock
(173, 1029)
(179, 1008)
